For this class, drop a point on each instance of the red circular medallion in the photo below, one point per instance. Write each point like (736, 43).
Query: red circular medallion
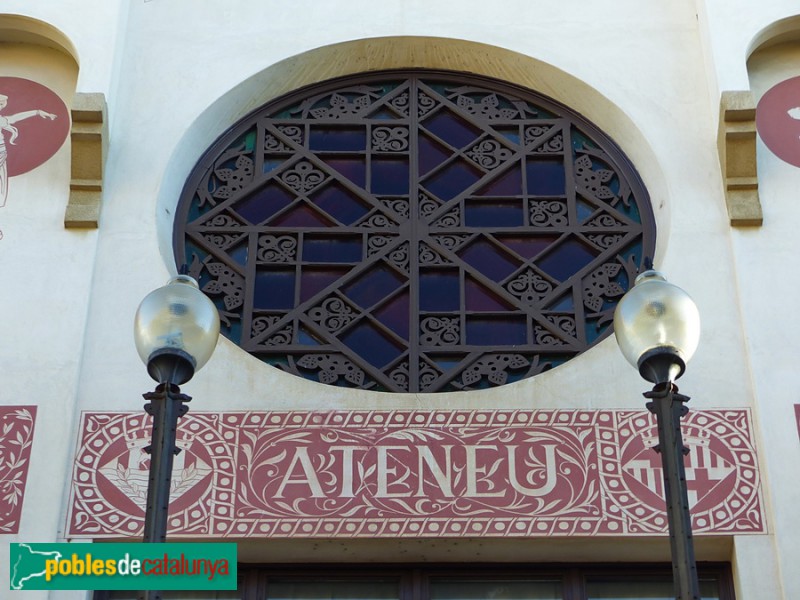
(778, 120)
(34, 123)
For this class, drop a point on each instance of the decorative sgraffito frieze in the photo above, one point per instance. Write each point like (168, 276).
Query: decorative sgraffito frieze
(16, 437)
(416, 474)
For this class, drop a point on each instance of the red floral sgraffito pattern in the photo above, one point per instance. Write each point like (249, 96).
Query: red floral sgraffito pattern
(416, 474)
(16, 437)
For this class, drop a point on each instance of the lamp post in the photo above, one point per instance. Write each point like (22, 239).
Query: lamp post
(176, 329)
(657, 327)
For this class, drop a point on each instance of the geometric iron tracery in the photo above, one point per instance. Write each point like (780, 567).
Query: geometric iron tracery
(414, 232)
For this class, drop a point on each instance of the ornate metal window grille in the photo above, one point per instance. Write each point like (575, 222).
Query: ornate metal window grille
(414, 232)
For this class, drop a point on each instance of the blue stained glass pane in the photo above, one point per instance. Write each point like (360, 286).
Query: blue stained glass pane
(196, 211)
(335, 138)
(270, 164)
(306, 338)
(439, 290)
(546, 177)
(633, 252)
(376, 284)
(340, 204)
(496, 332)
(452, 180)
(580, 140)
(569, 258)
(371, 344)
(389, 176)
(564, 303)
(447, 361)
(511, 133)
(232, 332)
(494, 214)
(332, 249)
(239, 253)
(274, 289)
(631, 210)
(594, 331)
(261, 205)
(489, 260)
(584, 210)
(452, 129)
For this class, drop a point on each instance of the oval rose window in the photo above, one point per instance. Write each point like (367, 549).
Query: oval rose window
(414, 232)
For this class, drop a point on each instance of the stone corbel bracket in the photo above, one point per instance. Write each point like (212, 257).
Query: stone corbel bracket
(736, 141)
(89, 139)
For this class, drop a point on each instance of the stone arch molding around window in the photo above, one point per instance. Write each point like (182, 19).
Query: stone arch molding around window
(415, 230)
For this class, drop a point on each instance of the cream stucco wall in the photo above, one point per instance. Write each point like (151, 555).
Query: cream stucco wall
(764, 264)
(177, 73)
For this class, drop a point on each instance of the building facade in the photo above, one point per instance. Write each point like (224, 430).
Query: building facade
(433, 202)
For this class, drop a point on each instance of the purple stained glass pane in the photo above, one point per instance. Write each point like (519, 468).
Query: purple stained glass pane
(313, 280)
(479, 298)
(372, 287)
(504, 184)
(261, 205)
(489, 260)
(341, 204)
(350, 167)
(452, 180)
(452, 129)
(431, 154)
(395, 315)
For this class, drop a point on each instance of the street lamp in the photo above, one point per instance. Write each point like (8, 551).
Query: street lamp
(176, 329)
(657, 327)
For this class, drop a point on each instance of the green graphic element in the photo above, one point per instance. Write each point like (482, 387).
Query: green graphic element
(123, 566)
